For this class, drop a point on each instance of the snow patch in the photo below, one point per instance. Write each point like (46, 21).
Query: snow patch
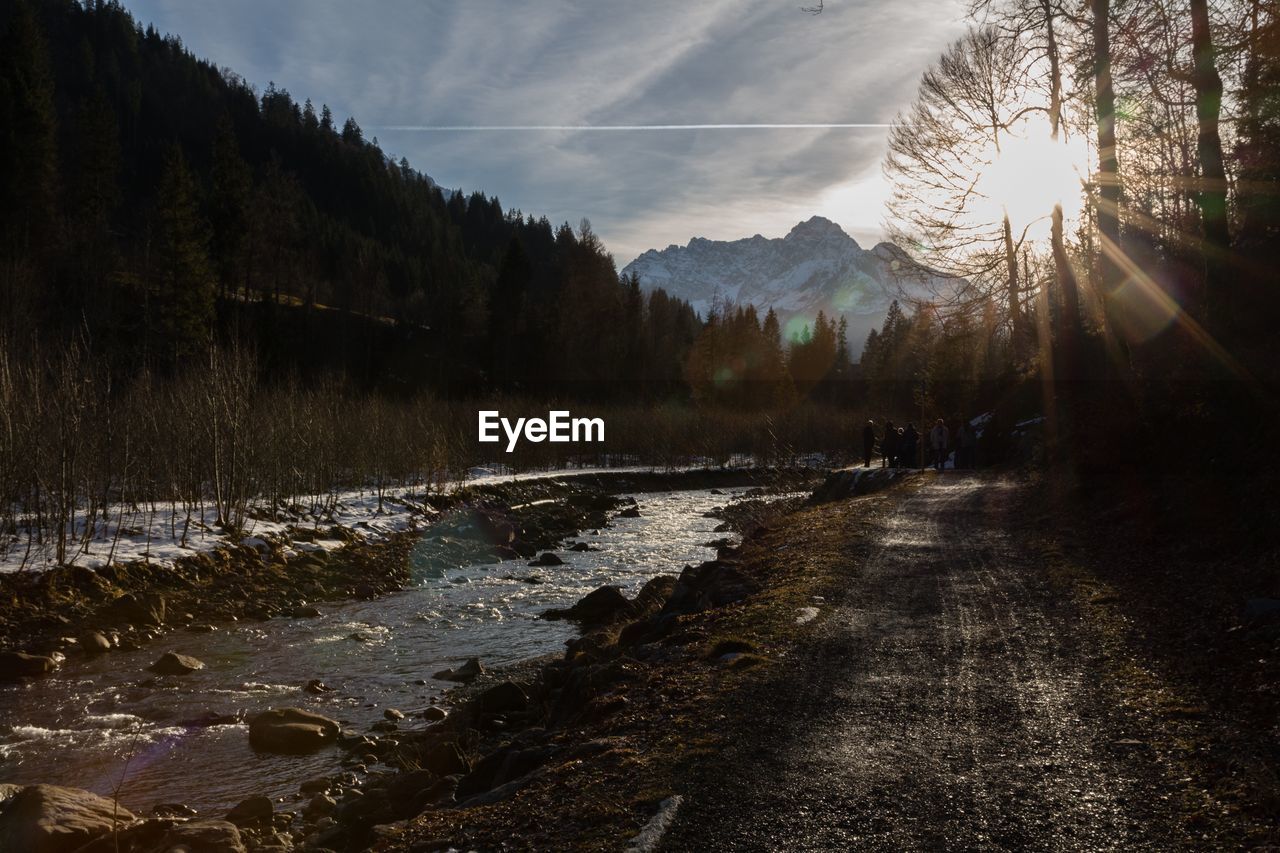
(651, 835)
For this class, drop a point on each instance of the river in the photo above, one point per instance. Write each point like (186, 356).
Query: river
(107, 722)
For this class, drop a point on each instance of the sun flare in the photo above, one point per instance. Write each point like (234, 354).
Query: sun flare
(1028, 174)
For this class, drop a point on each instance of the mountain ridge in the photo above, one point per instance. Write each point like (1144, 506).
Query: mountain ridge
(816, 266)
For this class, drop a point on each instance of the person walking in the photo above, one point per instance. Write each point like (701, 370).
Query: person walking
(868, 443)
(939, 441)
(911, 446)
(889, 445)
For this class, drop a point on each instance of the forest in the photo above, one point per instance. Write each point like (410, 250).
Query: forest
(187, 260)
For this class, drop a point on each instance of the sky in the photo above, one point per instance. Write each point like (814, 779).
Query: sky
(399, 66)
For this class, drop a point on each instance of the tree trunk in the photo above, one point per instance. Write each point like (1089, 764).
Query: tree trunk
(1108, 164)
(1064, 276)
(1016, 319)
(1212, 195)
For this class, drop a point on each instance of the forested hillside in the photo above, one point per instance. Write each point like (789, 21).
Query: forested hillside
(154, 202)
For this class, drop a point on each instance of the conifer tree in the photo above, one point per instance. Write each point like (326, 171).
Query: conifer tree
(186, 277)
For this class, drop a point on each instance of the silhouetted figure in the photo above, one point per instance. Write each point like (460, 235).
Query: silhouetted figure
(868, 443)
(970, 445)
(962, 445)
(939, 441)
(889, 445)
(911, 445)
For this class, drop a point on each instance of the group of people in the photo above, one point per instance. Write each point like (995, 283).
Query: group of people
(900, 447)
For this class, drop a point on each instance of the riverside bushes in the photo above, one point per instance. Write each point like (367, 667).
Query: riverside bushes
(83, 454)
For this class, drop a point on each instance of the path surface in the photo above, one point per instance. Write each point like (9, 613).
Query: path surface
(947, 701)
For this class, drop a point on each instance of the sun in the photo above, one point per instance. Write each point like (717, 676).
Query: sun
(1028, 174)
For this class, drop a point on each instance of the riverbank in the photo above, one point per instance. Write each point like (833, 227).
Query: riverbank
(370, 655)
(305, 558)
(588, 751)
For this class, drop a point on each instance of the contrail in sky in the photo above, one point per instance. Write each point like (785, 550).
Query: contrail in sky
(575, 127)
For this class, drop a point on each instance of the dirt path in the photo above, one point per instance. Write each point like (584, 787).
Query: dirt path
(950, 699)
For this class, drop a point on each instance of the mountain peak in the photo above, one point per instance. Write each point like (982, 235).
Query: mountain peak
(817, 227)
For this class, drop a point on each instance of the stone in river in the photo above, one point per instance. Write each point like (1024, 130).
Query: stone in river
(306, 611)
(434, 714)
(251, 811)
(469, 671)
(291, 731)
(316, 686)
(17, 665)
(94, 643)
(172, 663)
(54, 819)
(393, 714)
(547, 559)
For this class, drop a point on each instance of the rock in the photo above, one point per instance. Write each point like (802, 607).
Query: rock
(714, 583)
(320, 806)
(434, 714)
(580, 546)
(503, 698)
(202, 836)
(94, 643)
(464, 674)
(547, 559)
(54, 819)
(141, 609)
(173, 810)
(172, 663)
(316, 786)
(365, 590)
(17, 665)
(291, 731)
(445, 759)
(506, 552)
(316, 686)
(306, 611)
(393, 714)
(630, 512)
(599, 607)
(251, 811)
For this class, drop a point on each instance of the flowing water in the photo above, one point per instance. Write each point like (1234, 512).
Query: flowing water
(106, 722)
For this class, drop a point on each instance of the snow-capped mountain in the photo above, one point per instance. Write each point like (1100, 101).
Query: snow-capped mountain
(815, 267)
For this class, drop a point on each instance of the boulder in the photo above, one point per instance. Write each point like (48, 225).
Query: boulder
(54, 819)
(173, 810)
(434, 714)
(321, 805)
(17, 665)
(599, 607)
(503, 698)
(445, 759)
(393, 714)
(172, 663)
(94, 643)
(630, 512)
(714, 583)
(203, 836)
(547, 559)
(254, 810)
(464, 674)
(141, 609)
(291, 731)
(306, 611)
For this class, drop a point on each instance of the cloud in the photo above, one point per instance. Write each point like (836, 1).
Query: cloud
(605, 62)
